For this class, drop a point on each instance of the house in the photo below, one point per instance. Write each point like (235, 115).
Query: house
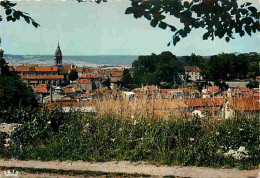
(93, 78)
(69, 91)
(192, 73)
(128, 95)
(84, 84)
(41, 91)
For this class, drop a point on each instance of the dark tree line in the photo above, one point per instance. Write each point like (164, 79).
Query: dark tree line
(154, 70)
(231, 66)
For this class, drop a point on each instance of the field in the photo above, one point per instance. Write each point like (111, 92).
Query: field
(51, 134)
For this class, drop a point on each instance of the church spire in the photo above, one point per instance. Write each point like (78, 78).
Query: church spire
(58, 57)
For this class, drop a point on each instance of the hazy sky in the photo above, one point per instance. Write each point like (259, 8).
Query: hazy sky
(92, 29)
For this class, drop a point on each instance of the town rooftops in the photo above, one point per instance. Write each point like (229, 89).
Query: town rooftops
(191, 69)
(42, 77)
(83, 81)
(27, 68)
(204, 102)
(88, 76)
(250, 103)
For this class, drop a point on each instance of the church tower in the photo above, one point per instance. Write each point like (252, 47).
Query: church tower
(58, 57)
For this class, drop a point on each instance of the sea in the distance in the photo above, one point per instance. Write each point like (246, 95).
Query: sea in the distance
(88, 61)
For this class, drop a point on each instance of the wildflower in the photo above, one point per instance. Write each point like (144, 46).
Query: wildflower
(219, 152)
(135, 122)
(6, 145)
(191, 139)
(120, 129)
(132, 116)
(87, 125)
(238, 154)
(142, 138)
(112, 140)
(217, 133)
(49, 122)
(241, 129)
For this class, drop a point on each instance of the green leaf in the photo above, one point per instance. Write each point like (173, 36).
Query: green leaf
(248, 30)
(147, 16)
(227, 39)
(186, 4)
(176, 39)
(206, 36)
(129, 10)
(8, 18)
(26, 18)
(173, 29)
(36, 25)
(163, 25)
(242, 33)
(154, 23)
(252, 9)
(8, 11)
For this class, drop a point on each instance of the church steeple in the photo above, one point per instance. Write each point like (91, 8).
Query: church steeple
(58, 57)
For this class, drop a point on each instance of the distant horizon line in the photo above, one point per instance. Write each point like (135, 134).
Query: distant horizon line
(125, 54)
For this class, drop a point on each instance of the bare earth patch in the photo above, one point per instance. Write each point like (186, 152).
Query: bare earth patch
(129, 168)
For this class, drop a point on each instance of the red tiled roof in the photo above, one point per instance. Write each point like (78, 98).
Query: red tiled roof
(197, 102)
(33, 82)
(69, 90)
(250, 103)
(191, 69)
(88, 76)
(40, 90)
(83, 81)
(36, 69)
(42, 86)
(42, 77)
(117, 74)
(213, 88)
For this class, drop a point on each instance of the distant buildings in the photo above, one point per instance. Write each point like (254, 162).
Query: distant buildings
(192, 73)
(34, 74)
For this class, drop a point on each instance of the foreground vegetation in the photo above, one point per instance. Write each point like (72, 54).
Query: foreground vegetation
(55, 135)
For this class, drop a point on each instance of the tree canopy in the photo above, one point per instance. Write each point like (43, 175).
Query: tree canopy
(154, 69)
(231, 66)
(220, 18)
(73, 75)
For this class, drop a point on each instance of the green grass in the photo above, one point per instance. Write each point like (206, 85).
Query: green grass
(54, 135)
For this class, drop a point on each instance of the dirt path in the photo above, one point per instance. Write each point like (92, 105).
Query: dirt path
(132, 168)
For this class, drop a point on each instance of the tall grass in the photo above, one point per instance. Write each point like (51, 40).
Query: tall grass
(55, 135)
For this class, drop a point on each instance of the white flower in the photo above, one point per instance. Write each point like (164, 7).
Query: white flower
(120, 129)
(49, 122)
(112, 139)
(132, 116)
(239, 154)
(217, 133)
(135, 122)
(6, 145)
(241, 129)
(191, 139)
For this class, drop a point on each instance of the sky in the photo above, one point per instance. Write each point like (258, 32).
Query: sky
(103, 29)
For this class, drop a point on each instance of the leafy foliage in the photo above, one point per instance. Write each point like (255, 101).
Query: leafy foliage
(220, 18)
(73, 75)
(154, 69)
(174, 141)
(13, 14)
(127, 78)
(14, 93)
(230, 66)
